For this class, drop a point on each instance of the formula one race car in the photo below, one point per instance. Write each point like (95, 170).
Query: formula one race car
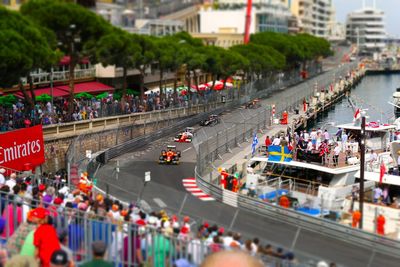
(253, 104)
(210, 121)
(169, 156)
(186, 136)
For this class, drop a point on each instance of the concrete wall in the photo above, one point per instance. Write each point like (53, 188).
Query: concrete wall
(56, 149)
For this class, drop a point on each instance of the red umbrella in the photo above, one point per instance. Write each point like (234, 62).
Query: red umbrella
(218, 86)
(201, 87)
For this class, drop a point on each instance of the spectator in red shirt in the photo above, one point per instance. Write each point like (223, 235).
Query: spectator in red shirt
(268, 141)
(45, 237)
(142, 220)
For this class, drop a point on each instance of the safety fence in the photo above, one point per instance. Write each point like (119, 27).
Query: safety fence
(213, 145)
(75, 128)
(128, 244)
(101, 154)
(305, 91)
(166, 122)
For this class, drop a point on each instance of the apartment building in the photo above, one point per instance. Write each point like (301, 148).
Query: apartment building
(314, 16)
(366, 27)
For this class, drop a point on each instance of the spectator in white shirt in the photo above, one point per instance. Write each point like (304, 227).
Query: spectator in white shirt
(277, 141)
(374, 156)
(326, 135)
(12, 181)
(2, 178)
(344, 140)
(309, 146)
(336, 154)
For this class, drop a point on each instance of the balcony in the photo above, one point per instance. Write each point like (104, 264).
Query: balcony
(41, 77)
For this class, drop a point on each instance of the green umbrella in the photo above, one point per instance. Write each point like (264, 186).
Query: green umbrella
(117, 95)
(102, 96)
(84, 95)
(132, 92)
(43, 98)
(9, 99)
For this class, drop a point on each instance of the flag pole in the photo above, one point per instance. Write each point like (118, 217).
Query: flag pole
(362, 167)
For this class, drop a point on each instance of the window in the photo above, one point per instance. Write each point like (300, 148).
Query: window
(6, 2)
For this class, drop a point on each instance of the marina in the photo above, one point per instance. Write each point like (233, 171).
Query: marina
(319, 186)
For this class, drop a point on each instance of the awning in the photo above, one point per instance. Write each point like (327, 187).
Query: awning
(63, 90)
(57, 92)
(88, 87)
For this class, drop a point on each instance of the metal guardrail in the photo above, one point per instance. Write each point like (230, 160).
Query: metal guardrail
(303, 221)
(215, 145)
(122, 239)
(75, 128)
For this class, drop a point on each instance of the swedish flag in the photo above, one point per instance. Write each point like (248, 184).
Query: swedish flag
(279, 153)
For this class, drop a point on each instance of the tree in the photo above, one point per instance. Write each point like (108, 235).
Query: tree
(166, 54)
(232, 62)
(212, 62)
(281, 42)
(185, 46)
(262, 59)
(23, 47)
(193, 60)
(77, 30)
(146, 57)
(118, 48)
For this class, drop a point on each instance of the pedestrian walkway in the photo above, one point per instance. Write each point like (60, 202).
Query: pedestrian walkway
(191, 186)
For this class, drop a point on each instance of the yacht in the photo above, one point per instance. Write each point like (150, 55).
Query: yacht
(324, 187)
(396, 103)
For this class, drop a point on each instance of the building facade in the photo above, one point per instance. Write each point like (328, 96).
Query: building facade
(311, 16)
(314, 16)
(366, 28)
(231, 19)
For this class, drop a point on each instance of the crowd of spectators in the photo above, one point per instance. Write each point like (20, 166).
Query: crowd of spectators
(19, 115)
(320, 145)
(41, 218)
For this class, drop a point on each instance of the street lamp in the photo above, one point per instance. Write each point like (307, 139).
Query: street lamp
(362, 167)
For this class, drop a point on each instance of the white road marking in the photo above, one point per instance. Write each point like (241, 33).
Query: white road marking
(187, 149)
(160, 203)
(199, 194)
(191, 186)
(194, 189)
(206, 198)
(189, 180)
(145, 206)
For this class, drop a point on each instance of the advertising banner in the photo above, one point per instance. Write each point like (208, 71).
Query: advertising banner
(22, 149)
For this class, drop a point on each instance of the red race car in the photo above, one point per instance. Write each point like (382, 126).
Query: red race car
(169, 156)
(186, 136)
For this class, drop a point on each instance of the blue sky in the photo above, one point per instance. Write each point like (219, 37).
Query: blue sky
(390, 7)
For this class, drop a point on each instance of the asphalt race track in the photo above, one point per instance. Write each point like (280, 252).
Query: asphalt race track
(165, 191)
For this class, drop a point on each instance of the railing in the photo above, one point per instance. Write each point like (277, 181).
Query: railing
(213, 146)
(45, 77)
(75, 128)
(304, 222)
(123, 239)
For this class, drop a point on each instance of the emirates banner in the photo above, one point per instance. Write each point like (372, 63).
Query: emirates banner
(22, 149)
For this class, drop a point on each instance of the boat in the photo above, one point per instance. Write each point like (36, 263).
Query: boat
(313, 186)
(396, 103)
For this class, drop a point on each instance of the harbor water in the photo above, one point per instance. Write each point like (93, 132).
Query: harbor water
(372, 93)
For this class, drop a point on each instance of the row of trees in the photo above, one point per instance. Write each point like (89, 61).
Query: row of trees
(45, 30)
